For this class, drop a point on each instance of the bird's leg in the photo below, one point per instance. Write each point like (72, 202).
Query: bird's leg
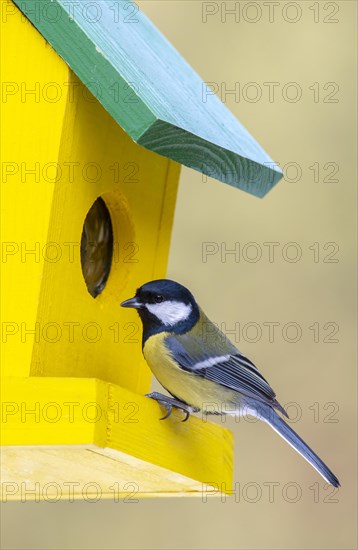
(169, 403)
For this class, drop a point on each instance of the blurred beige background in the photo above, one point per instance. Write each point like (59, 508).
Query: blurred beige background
(316, 136)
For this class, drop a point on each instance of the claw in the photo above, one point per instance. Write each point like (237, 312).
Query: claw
(187, 414)
(168, 403)
(169, 412)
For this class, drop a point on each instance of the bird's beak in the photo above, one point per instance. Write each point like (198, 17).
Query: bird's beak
(132, 302)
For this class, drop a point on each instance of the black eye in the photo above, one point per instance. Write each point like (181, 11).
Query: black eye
(158, 298)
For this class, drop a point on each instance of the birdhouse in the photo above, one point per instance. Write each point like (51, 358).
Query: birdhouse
(100, 111)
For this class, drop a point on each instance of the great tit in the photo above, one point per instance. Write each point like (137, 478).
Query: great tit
(199, 366)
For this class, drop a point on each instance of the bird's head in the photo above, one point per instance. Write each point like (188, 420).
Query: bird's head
(165, 305)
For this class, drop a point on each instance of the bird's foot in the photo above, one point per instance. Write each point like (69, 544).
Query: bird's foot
(170, 402)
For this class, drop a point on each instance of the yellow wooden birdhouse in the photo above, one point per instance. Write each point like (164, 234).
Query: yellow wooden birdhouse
(99, 111)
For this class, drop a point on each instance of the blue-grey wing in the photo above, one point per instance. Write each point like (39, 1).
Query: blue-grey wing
(228, 367)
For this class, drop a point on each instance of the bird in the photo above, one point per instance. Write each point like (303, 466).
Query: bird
(198, 365)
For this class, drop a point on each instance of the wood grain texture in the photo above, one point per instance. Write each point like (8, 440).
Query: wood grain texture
(29, 153)
(104, 474)
(65, 411)
(150, 90)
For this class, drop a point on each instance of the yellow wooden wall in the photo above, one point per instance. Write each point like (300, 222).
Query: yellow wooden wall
(54, 327)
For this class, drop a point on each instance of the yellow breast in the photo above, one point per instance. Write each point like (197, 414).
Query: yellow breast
(188, 387)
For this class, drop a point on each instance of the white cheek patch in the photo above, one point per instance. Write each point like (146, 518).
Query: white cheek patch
(170, 312)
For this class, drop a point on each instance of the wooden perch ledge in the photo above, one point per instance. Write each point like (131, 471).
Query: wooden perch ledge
(103, 441)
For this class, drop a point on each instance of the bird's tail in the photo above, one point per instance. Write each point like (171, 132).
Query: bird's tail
(284, 430)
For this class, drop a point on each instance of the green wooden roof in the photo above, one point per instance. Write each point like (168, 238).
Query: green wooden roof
(150, 90)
